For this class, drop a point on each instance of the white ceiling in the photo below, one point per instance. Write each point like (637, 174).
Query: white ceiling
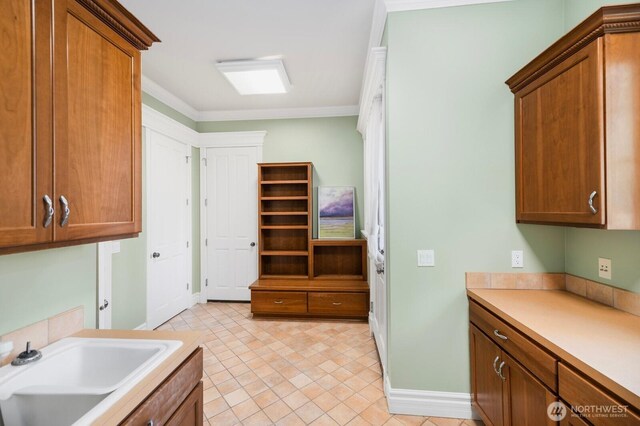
(323, 44)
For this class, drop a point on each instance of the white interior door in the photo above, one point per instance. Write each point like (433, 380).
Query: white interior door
(379, 321)
(168, 291)
(231, 180)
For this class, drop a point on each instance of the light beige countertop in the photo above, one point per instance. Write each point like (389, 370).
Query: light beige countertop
(125, 405)
(600, 341)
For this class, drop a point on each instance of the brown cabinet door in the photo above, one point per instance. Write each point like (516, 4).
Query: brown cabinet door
(486, 385)
(190, 412)
(560, 143)
(526, 399)
(97, 127)
(25, 122)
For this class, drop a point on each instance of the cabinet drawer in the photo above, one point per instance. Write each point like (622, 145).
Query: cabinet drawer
(279, 302)
(579, 392)
(347, 304)
(539, 362)
(169, 396)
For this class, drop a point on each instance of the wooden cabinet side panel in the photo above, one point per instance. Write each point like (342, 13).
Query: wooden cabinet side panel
(25, 122)
(97, 133)
(622, 70)
(560, 142)
(168, 397)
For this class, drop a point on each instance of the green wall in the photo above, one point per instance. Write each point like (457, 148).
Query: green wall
(154, 103)
(332, 144)
(37, 285)
(451, 175)
(584, 246)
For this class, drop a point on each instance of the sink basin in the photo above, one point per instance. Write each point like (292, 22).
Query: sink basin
(77, 379)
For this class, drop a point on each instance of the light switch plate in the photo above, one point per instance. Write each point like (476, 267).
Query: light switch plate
(426, 258)
(604, 268)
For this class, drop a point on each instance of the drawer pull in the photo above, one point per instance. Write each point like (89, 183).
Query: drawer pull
(337, 303)
(591, 197)
(495, 367)
(278, 302)
(500, 371)
(501, 336)
(150, 423)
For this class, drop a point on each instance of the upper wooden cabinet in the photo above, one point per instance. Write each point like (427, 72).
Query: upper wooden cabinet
(577, 124)
(70, 122)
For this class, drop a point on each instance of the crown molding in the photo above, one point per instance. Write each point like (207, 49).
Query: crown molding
(281, 113)
(402, 5)
(163, 95)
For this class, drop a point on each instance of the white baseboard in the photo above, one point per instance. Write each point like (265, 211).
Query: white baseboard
(142, 326)
(195, 299)
(428, 403)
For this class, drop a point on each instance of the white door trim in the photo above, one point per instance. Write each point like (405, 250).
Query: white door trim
(105, 251)
(153, 121)
(219, 140)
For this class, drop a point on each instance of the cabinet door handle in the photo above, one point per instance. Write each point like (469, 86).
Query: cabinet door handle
(48, 214)
(495, 366)
(501, 336)
(500, 371)
(65, 211)
(337, 303)
(591, 197)
(278, 302)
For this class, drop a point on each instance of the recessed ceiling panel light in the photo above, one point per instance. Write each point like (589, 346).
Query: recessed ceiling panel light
(259, 77)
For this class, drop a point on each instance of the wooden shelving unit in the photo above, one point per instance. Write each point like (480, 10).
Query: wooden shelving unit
(299, 276)
(284, 205)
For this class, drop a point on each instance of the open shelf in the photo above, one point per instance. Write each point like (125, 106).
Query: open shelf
(284, 253)
(290, 189)
(284, 182)
(284, 198)
(283, 265)
(284, 240)
(339, 259)
(285, 227)
(279, 172)
(284, 213)
(297, 205)
(284, 220)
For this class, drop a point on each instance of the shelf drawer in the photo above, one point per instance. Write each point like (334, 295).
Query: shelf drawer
(532, 357)
(346, 304)
(279, 302)
(579, 392)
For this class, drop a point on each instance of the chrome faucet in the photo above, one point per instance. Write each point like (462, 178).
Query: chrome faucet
(28, 356)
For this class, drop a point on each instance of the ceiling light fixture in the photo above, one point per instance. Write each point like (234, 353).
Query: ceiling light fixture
(258, 77)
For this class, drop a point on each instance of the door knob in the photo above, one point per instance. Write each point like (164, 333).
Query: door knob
(105, 305)
(252, 244)
(155, 254)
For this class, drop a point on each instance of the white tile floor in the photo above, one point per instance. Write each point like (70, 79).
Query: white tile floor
(286, 372)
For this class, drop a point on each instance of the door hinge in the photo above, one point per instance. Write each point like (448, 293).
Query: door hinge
(187, 158)
(371, 306)
(187, 286)
(187, 244)
(187, 201)
(206, 201)
(205, 162)
(206, 242)
(206, 282)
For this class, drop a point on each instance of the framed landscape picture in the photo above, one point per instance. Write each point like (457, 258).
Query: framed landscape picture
(336, 206)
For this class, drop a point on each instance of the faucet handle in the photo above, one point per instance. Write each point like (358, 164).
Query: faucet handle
(28, 356)
(28, 347)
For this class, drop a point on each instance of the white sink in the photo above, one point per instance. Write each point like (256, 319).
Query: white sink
(77, 379)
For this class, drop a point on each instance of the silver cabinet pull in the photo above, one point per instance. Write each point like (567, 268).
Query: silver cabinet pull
(500, 371)
(150, 423)
(495, 366)
(591, 197)
(501, 336)
(337, 303)
(278, 302)
(48, 214)
(105, 305)
(66, 211)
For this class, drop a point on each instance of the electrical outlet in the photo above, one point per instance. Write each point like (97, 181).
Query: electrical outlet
(604, 268)
(517, 259)
(426, 258)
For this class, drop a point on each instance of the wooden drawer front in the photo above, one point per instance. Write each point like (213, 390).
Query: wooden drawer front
(539, 362)
(279, 302)
(579, 392)
(190, 413)
(348, 304)
(170, 395)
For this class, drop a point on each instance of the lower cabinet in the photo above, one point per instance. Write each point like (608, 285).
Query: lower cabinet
(503, 391)
(177, 401)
